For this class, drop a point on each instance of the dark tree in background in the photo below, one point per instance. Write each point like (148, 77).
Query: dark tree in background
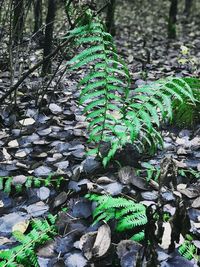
(188, 5)
(37, 15)
(110, 17)
(172, 19)
(48, 42)
(18, 20)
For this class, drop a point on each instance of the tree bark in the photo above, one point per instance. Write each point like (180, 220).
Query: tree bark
(18, 20)
(172, 19)
(110, 17)
(46, 68)
(188, 5)
(37, 15)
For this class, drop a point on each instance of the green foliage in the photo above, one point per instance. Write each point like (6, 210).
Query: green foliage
(114, 116)
(153, 172)
(25, 253)
(187, 113)
(188, 250)
(6, 183)
(127, 213)
(104, 89)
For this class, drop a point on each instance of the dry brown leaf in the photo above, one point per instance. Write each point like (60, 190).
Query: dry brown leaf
(102, 242)
(20, 226)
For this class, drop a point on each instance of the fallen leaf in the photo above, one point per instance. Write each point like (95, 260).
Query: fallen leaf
(21, 226)
(27, 121)
(13, 144)
(102, 242)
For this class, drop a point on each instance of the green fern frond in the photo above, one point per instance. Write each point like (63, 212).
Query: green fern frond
(127, 213)
(152, 104)
(42, 231)
(131, 221)
(7, 185)
(113, 116)
(138, 237)
(188, 250)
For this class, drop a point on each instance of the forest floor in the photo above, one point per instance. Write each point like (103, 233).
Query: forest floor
(48, 142)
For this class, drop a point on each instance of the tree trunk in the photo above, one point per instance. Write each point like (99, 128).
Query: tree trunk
(37, 15)
(110, 18)
(18, 20)
(46, 68)
(172, 19)
(188, 5)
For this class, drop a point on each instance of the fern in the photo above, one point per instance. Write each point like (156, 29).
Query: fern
(104, 89)
(188, 250)
(6, 183)
(187, 114)
(113, 115)
(128, 214)
(25, 253)
(151, 105)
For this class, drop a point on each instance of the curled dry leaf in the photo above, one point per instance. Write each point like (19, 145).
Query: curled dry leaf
(196, 203)
(166, 238)
(96, 244)
(103, 241)
(86, 244)
(20, 226)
